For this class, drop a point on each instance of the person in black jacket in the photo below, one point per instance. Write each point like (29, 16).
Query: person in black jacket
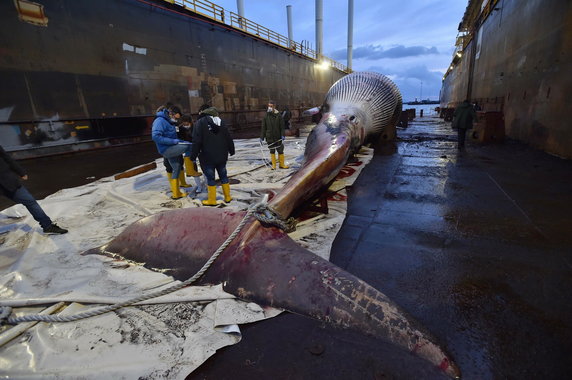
(462, 120)
(11, 176)
(212, 144)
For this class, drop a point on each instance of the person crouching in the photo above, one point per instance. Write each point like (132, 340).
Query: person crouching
(164, 134)
(212, 144)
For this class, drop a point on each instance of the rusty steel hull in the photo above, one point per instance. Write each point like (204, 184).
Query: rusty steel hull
(95, 73)
(517, 62)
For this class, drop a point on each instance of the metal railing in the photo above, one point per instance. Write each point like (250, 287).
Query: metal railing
(217, 13)
(202, 7)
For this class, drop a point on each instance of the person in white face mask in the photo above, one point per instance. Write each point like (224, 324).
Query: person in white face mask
(273, 132)
(170, 146)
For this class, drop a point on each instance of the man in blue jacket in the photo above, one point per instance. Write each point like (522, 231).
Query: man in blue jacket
(11, 176)
(164, 134)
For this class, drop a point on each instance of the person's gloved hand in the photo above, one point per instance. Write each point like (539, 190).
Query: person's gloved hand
(283, 138)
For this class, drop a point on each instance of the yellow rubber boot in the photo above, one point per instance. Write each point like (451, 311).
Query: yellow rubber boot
(190, 168)
(281, 162)
(182, 180)
(177, 193)
(169, 175)
(211, 201)
(226, 192)
(273, 159)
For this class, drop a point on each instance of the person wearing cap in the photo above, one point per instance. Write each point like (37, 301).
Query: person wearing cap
(11, 176)
(212, 144)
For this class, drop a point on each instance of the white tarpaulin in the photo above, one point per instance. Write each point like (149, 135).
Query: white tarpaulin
(165, 338)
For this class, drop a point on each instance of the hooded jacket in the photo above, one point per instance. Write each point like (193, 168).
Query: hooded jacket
(464, 116)
(10, 172)
(164, 132)
(212, 142)
(272, 127)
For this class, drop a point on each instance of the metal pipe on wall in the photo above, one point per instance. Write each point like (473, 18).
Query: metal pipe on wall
(350, 32)
(319, 22)
(289, 17)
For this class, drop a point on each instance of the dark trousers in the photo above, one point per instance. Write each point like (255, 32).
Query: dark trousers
(461, 132)
(209, 171)
(276, 145)
(168, 166)
(23, 196)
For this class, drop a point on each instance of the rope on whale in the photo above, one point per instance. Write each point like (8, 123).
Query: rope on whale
(255, 210)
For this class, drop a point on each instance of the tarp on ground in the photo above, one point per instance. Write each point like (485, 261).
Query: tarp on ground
(167, 337)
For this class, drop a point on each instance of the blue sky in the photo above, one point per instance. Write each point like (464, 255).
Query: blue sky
(411, 41)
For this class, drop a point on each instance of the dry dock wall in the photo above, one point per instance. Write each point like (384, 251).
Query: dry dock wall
(522, 54)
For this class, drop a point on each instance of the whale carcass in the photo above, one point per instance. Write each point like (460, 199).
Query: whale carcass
(262, 264)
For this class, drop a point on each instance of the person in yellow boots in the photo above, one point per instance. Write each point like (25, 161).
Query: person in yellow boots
(164, 134)
(183, 133)
(273, 132)
(169, 171)
(191, 170)
(212, 144)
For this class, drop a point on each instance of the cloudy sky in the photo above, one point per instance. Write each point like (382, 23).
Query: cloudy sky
(411, 41)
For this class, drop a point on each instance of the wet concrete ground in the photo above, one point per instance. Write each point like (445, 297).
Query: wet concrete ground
(475, 245)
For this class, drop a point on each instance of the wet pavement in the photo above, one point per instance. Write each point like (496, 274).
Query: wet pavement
(475, 245)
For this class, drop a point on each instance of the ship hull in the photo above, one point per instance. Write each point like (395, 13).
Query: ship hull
(517, 63)
(94, 73)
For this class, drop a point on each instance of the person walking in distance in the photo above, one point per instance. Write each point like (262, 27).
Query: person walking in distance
(463, 118)
(11, 176)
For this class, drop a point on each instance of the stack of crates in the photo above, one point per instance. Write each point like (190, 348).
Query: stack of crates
(488, 128)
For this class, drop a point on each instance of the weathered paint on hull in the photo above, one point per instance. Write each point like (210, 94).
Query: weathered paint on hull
(99, 69)
(521, 53)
